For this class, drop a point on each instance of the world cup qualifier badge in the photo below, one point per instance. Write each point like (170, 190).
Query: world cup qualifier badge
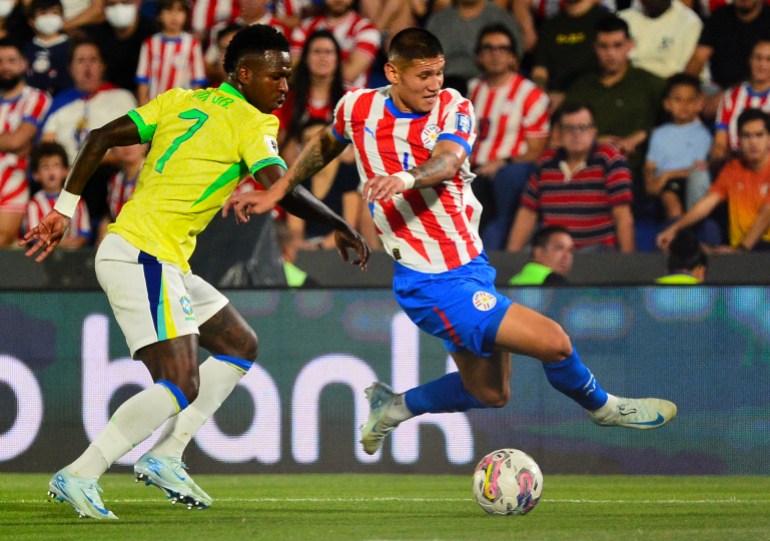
(463, 123)
(484, 301)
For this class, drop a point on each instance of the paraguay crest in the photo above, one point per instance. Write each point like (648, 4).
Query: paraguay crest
(484, 301)
(429, 135)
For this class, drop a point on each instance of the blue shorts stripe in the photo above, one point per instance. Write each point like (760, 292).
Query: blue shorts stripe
(240, 363)
(181, 399)
(153, 277)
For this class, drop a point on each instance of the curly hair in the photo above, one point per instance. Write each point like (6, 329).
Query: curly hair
(254, 39)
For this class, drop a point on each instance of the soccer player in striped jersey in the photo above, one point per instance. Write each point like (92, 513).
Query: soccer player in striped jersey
(412, 140)
(202, 143)
(172, 58)
(22, 110)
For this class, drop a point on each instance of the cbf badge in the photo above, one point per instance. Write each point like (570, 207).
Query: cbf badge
(484, 301)
(430, 135)
(272, 144)
(186, 305)
(463, 123)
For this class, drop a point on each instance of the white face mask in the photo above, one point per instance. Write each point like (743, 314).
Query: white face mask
(120, 15)
(48, 24)
(6, 7)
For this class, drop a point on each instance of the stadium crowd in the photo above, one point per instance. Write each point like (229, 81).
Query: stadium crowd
(620, 121)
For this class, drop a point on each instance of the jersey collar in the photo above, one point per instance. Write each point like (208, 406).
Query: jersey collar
(230, 89)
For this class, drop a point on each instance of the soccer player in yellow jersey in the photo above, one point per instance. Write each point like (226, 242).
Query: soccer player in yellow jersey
(203, 143)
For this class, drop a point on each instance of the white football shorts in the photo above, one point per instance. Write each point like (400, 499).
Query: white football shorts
(152, 300)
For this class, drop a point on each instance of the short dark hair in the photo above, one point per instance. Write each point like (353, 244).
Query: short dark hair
(750, 115)
(8, 42)
(254, 39)
(570, 108)
(232, 27)
(685, 252)
(44, 150)
(496, 28)
(165, 5)
(541, 238)
(81, 42)
(612, 23)
(682, 79)
(40, 5)
(414, 44)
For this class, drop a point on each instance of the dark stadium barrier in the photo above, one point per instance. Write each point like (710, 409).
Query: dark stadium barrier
(64, 370)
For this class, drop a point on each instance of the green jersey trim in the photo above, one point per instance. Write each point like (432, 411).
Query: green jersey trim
(230, 89)
(261, 164)
(234, 172)
(146, 131)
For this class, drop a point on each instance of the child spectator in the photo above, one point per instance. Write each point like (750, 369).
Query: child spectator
(48, 51)
(121, 185)
(676, 169)
(172, 58)
(49, 167)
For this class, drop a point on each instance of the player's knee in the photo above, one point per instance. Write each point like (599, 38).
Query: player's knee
(560, 345)
(495, 398)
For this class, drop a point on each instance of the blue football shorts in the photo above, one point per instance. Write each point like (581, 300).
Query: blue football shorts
(461, 306)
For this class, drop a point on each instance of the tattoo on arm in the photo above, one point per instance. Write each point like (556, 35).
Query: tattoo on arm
(432, 171)
(315, 156)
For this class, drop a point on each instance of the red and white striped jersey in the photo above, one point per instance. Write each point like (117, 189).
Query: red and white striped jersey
(429, 230)
(206, 13)
(30, 106)
(353, 32)
(506, 116)
(14, 190)
(734, 101)
(290, 8)
(42, 203)
(211, 56)
(119, 190)
(166, 63)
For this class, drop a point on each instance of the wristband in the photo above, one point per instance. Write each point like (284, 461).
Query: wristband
(407, 178)
(66, 203)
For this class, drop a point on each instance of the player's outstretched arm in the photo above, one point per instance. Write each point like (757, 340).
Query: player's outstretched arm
(315, 155)
(446, 159)
(45, 237)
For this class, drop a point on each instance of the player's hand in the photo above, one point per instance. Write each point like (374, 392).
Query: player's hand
(382, 188)
(351, 239)
(245, 204)
(46, 236)
(665, 238)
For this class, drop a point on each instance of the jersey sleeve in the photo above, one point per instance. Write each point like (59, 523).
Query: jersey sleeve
(143, 67)
(197, 65)
(537, 120)
(146, 117)
(459, 123)
(341, 122)
(35, 110)
(259, 145)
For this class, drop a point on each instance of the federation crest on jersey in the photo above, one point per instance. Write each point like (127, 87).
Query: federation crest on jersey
(484, 301)
(272, 144)
(463, 123)
(429, 135)
(186, 305)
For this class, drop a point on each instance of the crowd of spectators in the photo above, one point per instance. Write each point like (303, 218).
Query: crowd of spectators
(620, 122)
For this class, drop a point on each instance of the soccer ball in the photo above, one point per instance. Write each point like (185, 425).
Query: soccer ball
(507, 482)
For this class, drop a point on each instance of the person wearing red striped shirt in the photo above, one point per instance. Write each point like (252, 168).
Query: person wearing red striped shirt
(172, 58)
(22, 109)
(49, 167)
(358, 37)
(583, 186)
(751, 94)
(513, 122)
(207, 13)
(412, 140)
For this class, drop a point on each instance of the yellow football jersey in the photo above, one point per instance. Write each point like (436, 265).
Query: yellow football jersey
(202, 143)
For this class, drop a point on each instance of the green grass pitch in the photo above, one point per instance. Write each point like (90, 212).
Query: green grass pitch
(342, 507)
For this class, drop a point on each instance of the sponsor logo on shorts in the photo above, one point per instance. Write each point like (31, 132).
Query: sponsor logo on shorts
(186, 305)
(484, 301)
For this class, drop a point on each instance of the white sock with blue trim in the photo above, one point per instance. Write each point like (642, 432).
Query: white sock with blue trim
(219, 376)
(134, 421)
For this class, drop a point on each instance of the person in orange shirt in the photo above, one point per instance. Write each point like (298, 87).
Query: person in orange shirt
(745, 184)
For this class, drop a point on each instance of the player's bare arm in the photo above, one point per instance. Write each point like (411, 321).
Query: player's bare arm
(303, 204)
(315, 155)
(48, 234)
(443, 164)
